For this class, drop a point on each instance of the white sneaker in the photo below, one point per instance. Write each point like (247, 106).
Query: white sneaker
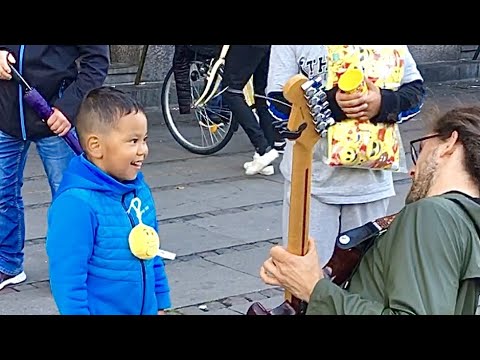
(11, 280)
(267, 171)
(248, 163)
(261, 162)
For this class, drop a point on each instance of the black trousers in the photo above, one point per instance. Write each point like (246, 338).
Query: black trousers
(241, 62)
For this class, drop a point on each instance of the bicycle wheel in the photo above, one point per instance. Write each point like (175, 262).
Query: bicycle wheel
(207, 129)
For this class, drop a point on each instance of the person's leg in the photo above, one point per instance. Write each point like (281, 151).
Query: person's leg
(324, 224)
(13, 155)
(55, 155)
(356, 215)
(259, 85)
(181, 73)
(240, 64)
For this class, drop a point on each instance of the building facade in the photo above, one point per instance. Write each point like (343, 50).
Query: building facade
(159, 57)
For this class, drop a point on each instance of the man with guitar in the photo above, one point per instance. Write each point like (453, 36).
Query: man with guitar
(427, 261)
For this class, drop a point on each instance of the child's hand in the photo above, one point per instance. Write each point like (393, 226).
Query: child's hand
(360, 106)
(161, 312)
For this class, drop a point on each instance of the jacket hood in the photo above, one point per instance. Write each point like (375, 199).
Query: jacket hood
(471, 206)
(83, 174)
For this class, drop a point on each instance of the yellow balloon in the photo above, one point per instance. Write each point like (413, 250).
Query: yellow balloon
(144, 242)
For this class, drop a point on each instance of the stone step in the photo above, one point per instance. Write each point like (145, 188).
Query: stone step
(455, 70)
(468, 51)
(121, 73)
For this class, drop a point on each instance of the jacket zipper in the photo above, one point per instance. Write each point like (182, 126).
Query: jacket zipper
(20, 94)
(141, 261)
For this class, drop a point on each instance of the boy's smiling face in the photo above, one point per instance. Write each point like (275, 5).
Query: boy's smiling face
(124, 148)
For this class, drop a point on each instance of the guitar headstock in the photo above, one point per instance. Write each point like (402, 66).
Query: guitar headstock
(310, 115)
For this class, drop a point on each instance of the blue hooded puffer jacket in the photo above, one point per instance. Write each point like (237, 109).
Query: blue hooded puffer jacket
(92, 270)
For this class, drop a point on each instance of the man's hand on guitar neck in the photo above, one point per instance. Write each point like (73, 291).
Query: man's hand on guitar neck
(296, 274)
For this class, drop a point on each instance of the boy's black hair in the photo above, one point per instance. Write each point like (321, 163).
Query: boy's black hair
(101, 109)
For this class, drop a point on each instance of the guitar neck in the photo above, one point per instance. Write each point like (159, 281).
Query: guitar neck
(299, 216)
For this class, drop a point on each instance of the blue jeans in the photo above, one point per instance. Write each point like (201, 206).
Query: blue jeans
(55, 155)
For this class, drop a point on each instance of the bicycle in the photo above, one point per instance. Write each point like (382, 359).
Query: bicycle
(208, 114)
(207, 128)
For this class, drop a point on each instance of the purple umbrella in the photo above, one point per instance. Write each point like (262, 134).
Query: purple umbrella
(36, 101)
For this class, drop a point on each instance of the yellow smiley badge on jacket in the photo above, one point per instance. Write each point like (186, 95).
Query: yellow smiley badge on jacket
(143, 240)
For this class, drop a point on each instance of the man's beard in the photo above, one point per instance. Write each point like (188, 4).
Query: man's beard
(423, 181)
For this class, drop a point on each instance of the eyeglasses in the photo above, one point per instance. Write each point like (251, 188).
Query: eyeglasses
(417, 145)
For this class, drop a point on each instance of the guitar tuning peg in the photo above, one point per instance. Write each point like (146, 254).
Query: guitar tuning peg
(310, 87)
(330, 120)
(315, 110)
(327, 113)
(318, 118)
(310, 92)
(319, 98)
(321, 126)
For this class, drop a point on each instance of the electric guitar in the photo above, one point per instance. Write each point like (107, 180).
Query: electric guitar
(309, 120)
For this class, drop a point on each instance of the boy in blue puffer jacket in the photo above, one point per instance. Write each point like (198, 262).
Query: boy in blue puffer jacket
(102, 197)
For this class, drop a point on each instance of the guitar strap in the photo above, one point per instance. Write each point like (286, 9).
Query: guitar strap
(356, 236)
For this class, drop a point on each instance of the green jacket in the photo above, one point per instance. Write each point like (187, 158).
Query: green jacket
(428, 262)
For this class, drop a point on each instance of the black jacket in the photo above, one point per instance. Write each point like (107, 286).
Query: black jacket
(62, 74)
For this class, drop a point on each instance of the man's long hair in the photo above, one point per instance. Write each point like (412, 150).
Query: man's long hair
(466, 121)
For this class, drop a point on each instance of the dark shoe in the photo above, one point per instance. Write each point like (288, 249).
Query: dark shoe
(11, 279)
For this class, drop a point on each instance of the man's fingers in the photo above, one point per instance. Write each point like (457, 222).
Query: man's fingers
(54, 123)
(277, 252)
(52, 120)
(5, 68)
(5, 71)
(60, 129)
(267, 277)
(270, 267)
(65, 130)
(4, 75)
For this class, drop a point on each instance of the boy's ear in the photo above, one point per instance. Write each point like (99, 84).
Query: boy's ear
(93, 146)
